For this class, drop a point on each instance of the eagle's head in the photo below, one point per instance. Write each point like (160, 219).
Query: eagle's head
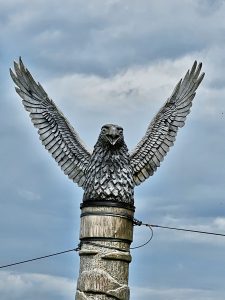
(111, 135)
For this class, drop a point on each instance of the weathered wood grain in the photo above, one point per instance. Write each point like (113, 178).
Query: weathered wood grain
(105, 253)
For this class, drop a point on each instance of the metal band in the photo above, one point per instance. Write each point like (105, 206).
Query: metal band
(90, 213)
(106, 203)
(107, 239)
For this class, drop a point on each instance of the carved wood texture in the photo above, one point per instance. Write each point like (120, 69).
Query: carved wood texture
(104, 271)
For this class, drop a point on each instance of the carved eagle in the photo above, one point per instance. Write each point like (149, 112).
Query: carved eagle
(110, 172)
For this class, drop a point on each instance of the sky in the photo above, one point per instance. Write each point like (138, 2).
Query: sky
(114, 61)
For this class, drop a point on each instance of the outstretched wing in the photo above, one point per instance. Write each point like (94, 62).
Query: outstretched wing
(55, 132)
(162, 131)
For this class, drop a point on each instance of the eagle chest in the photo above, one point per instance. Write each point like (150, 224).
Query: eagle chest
(109, 177)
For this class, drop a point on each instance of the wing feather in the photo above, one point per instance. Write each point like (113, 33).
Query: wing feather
(162, 131)
(54, 130)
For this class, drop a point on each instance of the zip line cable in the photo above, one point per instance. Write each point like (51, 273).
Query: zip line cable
(136, 222)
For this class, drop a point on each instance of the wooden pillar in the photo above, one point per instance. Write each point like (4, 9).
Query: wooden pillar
(106, 232)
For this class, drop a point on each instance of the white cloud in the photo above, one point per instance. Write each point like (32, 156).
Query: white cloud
(219, 223)
(216, 225)
(18, 286)
(176, 294)
(132, 87)
(136, 93)
(28, 195)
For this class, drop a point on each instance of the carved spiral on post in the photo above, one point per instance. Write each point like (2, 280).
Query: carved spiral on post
(106, 234)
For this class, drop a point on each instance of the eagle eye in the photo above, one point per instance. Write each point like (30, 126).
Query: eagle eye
(104, 130)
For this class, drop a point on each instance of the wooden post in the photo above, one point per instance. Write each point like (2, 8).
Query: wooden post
(106, 233)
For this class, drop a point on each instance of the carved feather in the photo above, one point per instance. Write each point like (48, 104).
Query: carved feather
(161, 132)
(55, 132)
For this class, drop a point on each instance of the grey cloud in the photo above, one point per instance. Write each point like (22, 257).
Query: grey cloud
(104, 38)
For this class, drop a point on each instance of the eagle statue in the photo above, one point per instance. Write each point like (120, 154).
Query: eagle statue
(110, 172)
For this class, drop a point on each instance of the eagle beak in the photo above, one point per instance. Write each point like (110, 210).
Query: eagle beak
(113, 136)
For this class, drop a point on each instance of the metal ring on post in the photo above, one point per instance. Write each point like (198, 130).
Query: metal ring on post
(106, 203)
(107, 220)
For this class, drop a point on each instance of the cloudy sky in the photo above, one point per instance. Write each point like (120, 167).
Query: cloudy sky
(114, 61)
